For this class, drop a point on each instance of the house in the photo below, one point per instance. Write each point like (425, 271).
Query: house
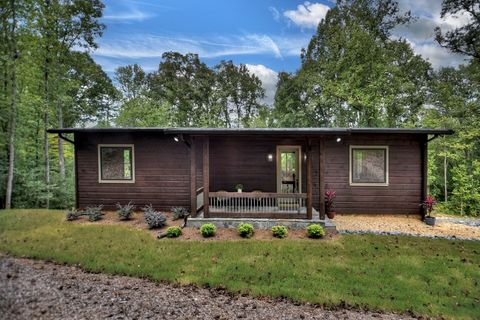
(283, 173)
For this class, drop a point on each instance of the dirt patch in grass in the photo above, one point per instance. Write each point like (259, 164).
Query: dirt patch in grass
(405, 224)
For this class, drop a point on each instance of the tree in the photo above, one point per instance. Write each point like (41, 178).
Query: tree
(13, 104)
(224, 96)
(354, 74)
(132, 81)
(238, 94)
(464, 39)
(63, 25)
(453, 160)
(186, 84)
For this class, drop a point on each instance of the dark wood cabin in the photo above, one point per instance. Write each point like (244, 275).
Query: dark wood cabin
(283, 173)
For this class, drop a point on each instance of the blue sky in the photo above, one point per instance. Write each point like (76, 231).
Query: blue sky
(266, 35)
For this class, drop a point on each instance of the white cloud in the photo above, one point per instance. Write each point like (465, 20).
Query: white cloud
(268, 78)
(438, 56)
(132, 15)
(307, 15)
(148, 46)
(275, 13)
(420, 33)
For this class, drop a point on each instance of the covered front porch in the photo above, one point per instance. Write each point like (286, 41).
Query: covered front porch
(278, 176)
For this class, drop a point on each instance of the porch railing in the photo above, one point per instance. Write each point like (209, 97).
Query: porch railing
(257, 202)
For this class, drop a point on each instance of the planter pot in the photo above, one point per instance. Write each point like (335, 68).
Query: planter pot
(331, 214)
(430, 221)
(239, 190)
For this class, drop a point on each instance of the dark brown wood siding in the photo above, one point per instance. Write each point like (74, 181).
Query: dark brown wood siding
(404, 192)
(162, 172)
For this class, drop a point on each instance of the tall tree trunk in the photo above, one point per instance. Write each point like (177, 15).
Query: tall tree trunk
(47, 104)
(13, 112)
(445, 183)
(61, 156)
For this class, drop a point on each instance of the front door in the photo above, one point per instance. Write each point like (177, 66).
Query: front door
(289, 169)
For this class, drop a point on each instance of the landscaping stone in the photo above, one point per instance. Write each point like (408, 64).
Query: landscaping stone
(32, 289)
(450, 228)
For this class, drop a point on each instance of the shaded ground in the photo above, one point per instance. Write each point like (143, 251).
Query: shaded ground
(406, 224)
(32, 289)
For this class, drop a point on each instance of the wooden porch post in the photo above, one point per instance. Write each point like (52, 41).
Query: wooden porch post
(309, 179)
(321, 173)
(206, 175)
(423, 210)
(193, 178)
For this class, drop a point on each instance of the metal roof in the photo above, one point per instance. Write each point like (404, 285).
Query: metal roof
(255, 131)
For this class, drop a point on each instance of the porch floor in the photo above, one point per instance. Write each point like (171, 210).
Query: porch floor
(263, 223)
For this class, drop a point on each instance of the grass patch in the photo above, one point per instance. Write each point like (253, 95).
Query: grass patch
(431, 277)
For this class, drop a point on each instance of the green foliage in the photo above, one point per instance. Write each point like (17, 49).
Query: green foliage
(153, 218)
(72, 214)
(125, 212)
(186, 92)
(279, 231)
(466, 194)
(179, 213)
(94, 213)
(239, 186)
(347, 63)
(174, 232)
(315, 231)
(208, 230)
(57, 84)
(246, 230)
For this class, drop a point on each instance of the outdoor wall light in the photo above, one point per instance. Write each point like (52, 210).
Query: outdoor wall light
(339, 139)
(270, 157)
(176, 138)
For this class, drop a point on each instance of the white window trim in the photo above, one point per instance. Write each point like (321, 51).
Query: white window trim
(368, 184)
(100, 180)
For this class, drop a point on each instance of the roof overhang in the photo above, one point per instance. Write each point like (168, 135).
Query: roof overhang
(259, 131)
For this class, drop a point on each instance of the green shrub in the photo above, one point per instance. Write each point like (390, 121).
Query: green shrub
(279, 231)
(245, 230)
(73, 214)
(208, 230)
(94, 213)
(179, 213)
(125, 212)
(315, 231)
(154, 219)
(174, 232)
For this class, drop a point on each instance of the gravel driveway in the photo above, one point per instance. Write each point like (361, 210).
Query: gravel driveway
(39, 290)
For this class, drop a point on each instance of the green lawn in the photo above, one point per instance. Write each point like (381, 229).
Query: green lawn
(424, 276)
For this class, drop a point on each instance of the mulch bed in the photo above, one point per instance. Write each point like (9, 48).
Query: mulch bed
(138, 221)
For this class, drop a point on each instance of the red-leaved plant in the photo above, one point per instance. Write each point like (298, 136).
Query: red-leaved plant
(329, 196)
(428, 204)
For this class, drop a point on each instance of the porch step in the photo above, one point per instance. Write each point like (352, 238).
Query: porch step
(261, 223)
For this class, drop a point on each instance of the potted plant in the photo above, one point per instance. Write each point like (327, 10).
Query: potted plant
(329, 205)
(239, 187)
(428, 205)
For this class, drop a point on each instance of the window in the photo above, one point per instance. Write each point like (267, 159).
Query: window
(369, 165)
(116, 163)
